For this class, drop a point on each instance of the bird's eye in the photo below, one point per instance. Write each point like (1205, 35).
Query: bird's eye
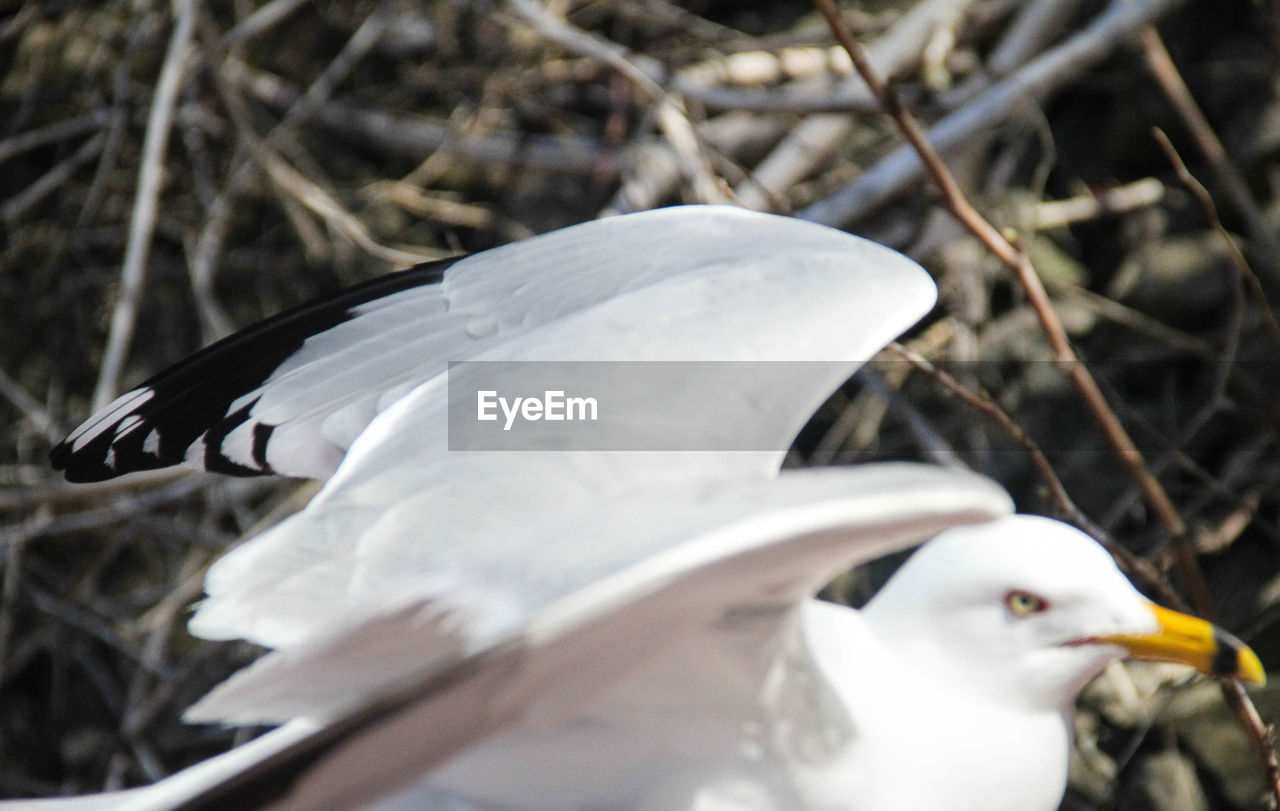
(1024, 603)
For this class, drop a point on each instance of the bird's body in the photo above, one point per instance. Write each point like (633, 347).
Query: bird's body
(836, 708)
(570, 625)
(831, 726)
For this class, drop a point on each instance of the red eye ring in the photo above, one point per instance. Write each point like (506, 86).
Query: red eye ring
(1024, 603)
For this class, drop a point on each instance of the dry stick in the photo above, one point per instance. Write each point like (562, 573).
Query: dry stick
(13, 391)
(655, 170)
(1235, 319)
(49, 182)
(1107, 202)
(1037, 24)
(1065, 356)
(155, 144)
(1262, 735)
(815, 138)
(158, 624)
(12, 549)
(18, 22)
(799, 95)
(310, 194)
(670, 113)
(60, 496)
(121, 85)
(983, 402)
(1203, 197)
(1214, 488)
(1229, 179)
(203, 261)
(262, 20)
(53, 133)
(901, 169)
(1132, 319)
(416, 135)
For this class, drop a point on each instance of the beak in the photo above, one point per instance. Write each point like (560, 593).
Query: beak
(1191, 641)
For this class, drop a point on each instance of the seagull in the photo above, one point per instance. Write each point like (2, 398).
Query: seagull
(624, 617)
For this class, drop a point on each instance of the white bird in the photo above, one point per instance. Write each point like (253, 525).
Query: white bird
(625, 629)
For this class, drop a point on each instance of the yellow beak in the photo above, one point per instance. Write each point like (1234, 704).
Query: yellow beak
(1191, 641)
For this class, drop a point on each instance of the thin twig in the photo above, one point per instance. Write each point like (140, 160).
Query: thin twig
(320, 202)
(253, 153)
(53, 133)
(1132, 319)
(801, 95)
(63, 496)
(1037, 24)
(810, 143)
(142, 224)
(309, 193)
(262, 20)
(49, 182)
(670, 113)
(901, 169)
(986, 404)
(1224, 171)
(121, 85)
(1077, 373)
(655, 169)
(1235, 318)
(1079, 376)
(1103, 203)
(417, 135)
(1261, 734)
(12, 391)
(10, 586)
(1197, 189)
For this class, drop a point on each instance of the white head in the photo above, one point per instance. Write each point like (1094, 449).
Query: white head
(1030, 609)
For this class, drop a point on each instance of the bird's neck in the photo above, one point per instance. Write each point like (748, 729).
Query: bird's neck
(925, 723)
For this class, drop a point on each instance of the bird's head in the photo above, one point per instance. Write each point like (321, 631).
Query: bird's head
(1030, 609)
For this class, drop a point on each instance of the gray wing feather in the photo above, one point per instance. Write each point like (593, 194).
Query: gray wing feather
(760, 548)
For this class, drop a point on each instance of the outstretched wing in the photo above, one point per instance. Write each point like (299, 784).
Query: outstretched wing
(291, 394)
(781, 311)
(681, 565)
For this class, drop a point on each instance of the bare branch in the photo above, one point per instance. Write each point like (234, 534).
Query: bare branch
(900, 169)
(159, 124)
(814, 139)
(670, 112)
(1225, 172)
(1086, 386)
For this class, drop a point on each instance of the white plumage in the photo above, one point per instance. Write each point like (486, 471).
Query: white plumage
(587, 628)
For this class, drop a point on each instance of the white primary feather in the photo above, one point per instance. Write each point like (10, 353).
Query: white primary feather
(404, 506)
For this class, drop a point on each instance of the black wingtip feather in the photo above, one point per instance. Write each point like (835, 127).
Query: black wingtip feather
(193, 396)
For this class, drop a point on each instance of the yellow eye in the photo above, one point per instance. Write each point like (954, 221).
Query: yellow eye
(1024, 603)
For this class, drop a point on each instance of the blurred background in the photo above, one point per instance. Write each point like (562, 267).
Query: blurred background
(170, 172)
